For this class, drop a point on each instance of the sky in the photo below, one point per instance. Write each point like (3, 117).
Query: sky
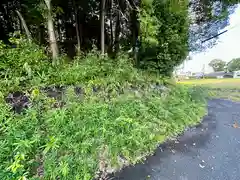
(227, 48)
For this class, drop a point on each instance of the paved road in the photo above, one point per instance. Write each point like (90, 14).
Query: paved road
(210, 151)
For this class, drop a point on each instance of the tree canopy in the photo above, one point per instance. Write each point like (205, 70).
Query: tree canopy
(157, 34)
(217, 64)
(234, 65)
(208, 18)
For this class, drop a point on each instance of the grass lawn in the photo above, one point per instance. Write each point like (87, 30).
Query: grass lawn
(214, 83)
(218, 88)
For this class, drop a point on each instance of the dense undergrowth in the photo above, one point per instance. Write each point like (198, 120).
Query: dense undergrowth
(84, 119)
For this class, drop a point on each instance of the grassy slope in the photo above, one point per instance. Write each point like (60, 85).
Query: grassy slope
(86, 136)
(93, 131)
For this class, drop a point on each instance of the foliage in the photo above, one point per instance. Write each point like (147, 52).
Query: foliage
(93, 66)
(149, 25)
(164, 34)
(33, 68)
(217, 64)
(234, 65)
(172, 34)
(69, 142)
(21, 62)
(158, 32)
(208, 18)
(87, 117)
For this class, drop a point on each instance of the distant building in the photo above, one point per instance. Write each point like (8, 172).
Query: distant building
(236, 74)
(219, 75)
(198, 75)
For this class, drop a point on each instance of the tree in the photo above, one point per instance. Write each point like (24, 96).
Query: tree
(208, 18)
(51, 31)
(234, 65)
(24, 25)
(172, 34)
(77, 27)
(217, 64)
(102, 19)
(158, 33)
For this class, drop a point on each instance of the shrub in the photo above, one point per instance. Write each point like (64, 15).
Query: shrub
(21, 62)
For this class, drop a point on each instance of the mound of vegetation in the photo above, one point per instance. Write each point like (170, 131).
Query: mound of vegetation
(86, 118)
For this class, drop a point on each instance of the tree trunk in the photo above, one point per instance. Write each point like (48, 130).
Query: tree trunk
(134, 30)
(51, 32)
(117, 34)
(77, 31)
(41, 31)
(24, 25)
(111, 29)
(102, 20)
